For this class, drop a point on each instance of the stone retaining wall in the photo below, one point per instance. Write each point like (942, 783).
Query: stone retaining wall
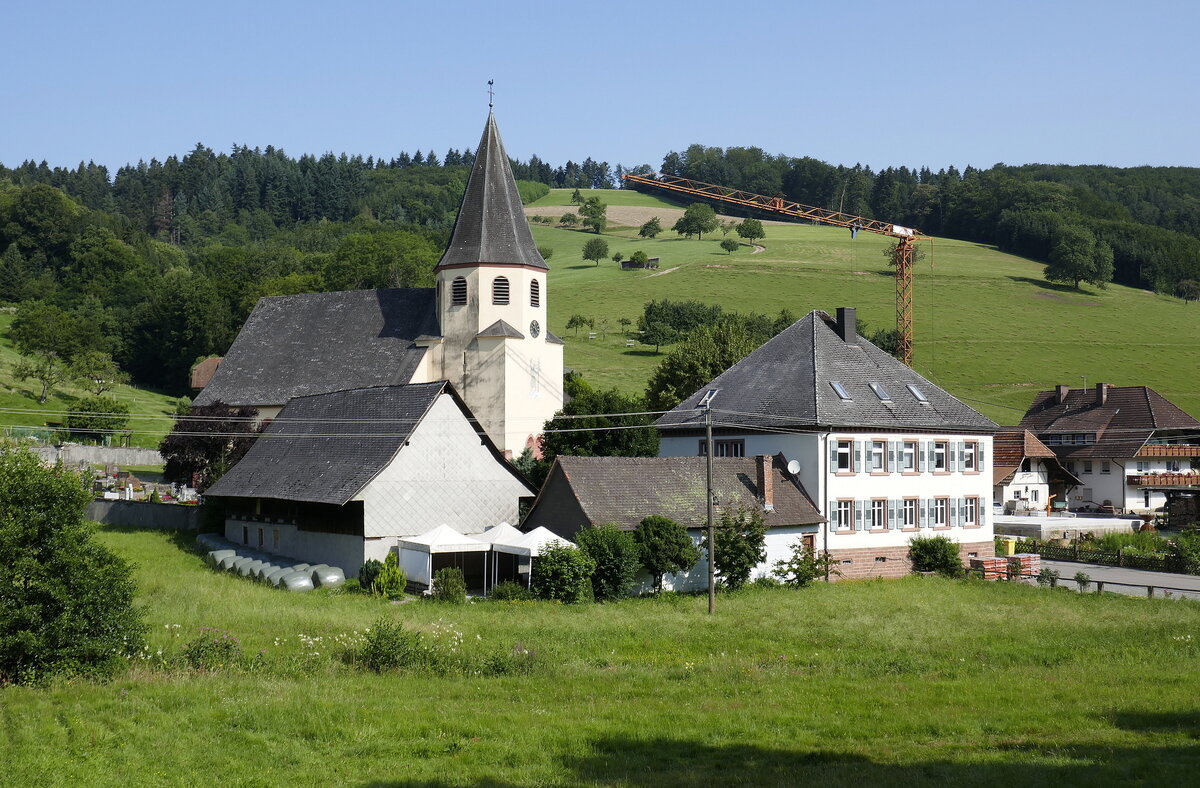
(138, 514)
(866, 562)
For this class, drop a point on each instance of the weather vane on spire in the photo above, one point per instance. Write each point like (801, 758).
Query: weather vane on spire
(491, 93)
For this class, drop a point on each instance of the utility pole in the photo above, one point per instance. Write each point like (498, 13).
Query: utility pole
(708, 497)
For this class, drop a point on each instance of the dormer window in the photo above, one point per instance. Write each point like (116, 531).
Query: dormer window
(535, 293)
(500, 291)
(458, 291)
(840, 390)
(881, 392)
(916, 392)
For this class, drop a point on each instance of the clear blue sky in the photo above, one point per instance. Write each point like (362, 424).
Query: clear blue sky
(913, 83)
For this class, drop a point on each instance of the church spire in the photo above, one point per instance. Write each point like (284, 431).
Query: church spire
(491, 226)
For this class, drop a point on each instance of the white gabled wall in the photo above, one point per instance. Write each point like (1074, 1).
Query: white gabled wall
(444, 474)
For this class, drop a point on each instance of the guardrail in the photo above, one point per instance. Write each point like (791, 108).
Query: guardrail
(1055, 581)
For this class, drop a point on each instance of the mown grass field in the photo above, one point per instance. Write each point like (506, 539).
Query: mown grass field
(915, 682)
(986, 326)
(20, 407)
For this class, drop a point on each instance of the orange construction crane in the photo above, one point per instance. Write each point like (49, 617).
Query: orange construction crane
(902, 256)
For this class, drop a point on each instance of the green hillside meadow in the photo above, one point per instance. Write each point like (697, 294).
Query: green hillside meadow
(921, 681)
(985, 324)
(22, 413)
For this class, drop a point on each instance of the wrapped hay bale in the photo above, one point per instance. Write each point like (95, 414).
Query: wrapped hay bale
(213, 558)
(297, 581)
(328, 577)
(276, 576)
(247, 569)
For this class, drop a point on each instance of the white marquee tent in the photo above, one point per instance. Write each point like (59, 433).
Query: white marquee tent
(417, 552)
(525, 548)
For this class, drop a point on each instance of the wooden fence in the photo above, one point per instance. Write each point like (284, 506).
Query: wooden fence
(1151, 563)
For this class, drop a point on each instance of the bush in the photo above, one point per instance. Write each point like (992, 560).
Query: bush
(935, 554)
(508, 591)
(367, 574)
(391, 580)
(664, 546)
(214, 649)
(615, 554)
(66, 602)
(1185, 550)
(740, 545)
(1048, 576)
(546, 252)
(802, 568)
(563, 573)
(449, 586)
(389, 646)
(1083, 580)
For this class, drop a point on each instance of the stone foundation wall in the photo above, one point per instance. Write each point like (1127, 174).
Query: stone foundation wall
(866, 562)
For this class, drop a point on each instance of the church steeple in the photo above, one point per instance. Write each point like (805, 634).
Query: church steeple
(491, 228)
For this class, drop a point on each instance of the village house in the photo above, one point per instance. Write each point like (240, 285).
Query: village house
(482, 328)
(343, 477)
(1027, 476)
(583, 492)
(1130, 447)
(885, 454)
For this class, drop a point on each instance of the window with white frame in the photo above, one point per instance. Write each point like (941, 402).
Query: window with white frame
(939, 456)
(908, 456)
(1087, 466)
(878, 514)
(971, 511)
(845, 456)
(941, 512)
(1172, 466)
(1105, 466)
(725, 448)
(970, 452)
(843, 516)
(1035, 495)
(910, 513)
(1143, 466)
(878, 456)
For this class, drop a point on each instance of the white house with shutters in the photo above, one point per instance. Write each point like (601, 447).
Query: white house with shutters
(884, 453)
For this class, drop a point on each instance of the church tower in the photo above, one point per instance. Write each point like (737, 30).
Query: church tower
(492, 290)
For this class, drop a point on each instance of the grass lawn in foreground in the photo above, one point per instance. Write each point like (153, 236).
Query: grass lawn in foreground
(915, 682)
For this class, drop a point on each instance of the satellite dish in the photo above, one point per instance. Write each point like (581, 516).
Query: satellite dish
(794, 467)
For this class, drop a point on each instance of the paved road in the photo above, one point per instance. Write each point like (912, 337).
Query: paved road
(1137, 577)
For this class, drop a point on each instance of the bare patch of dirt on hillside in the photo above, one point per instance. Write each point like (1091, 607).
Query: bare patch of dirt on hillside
(1064, 299)
(758, 249)
(718, 266)
(664, 272)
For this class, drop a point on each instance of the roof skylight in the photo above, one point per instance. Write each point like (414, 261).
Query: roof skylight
(880, 392)
(916, 392)
(840, 390)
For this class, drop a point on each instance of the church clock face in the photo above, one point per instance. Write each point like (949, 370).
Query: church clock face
(534, 329)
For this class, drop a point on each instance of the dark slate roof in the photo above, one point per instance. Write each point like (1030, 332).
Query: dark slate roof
(293, 346)
(327, 448)
(491, 225)
(624, 490)
(1128, 418)
(554, 339)
(500, 329)
(786, 383)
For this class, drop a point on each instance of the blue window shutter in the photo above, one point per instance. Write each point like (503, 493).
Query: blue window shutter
(922, 511)
(952, 505)
(891, 523)
(833, 447)
(979, 457)
(962, 455)
(979, 509)
(952, 456)
(831, 513)
(893, 456)
(858, 456)
(858, 515)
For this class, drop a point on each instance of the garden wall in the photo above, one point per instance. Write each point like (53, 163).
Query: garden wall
(138, 514)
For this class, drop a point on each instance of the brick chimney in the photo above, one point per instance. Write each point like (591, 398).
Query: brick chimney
(1101, 394)
(847, 325)
(1062, 393)
(766, 480)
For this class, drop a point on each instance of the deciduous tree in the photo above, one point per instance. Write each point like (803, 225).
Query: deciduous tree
(664, 546)
(1078, 257)
(698, 219)
(751, 230)
(207, 442)
(705, 353)
(97, 372)
(730, 245)
(595, 214)
(650, 229)
(595, 250)
(739, 545)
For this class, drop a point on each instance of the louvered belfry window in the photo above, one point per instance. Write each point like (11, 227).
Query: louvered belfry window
(535, 293)
(458, 290)
(500, 291)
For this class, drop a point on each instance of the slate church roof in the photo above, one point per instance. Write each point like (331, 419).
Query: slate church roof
(327, 448)
(491, 225)
(787, 382)
(295, 346)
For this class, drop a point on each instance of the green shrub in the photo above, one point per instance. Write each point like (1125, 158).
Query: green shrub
(739, 546)
(616, 556)
(212, 650)
(563, 573)
(765, 581)
(508, 591)
(66, 602)
(664, 546)
(449, 586)
(389, 646)
(1084, 581)
(367, 574)
(935, 554)
(1185, 550)
(802, 567)
(391, 580)
(1047, 576)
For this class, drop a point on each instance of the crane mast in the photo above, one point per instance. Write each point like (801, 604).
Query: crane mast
(902, 255)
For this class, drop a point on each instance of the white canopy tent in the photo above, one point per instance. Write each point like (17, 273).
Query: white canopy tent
(417, 552)
(528, 546)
